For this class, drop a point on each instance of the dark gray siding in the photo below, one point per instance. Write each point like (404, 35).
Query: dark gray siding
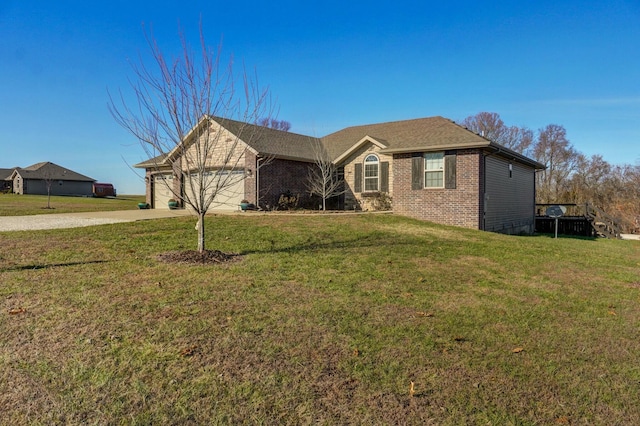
(509, 197)
(58, 187)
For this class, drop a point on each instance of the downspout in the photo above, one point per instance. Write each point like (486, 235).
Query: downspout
(535, 188)
(484, 191)
(258, 158)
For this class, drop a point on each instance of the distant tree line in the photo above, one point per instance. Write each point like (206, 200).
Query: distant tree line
(273, 123)
(570, 176)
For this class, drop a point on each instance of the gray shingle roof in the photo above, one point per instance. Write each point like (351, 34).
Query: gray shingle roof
(6, 173)
(421, 133)
(48, 170)
(151, 162)
(271, 142)
(432, 133)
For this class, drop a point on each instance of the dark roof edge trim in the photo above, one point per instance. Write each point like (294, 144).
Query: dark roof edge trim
(496, 148)
(424, 148)
(508, 153)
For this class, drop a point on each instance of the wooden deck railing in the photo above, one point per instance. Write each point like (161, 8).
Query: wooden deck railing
(581, 219)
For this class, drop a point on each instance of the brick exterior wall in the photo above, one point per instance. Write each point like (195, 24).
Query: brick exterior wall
(147, 187)
(284, 177)
(252, 173)
(461, 206)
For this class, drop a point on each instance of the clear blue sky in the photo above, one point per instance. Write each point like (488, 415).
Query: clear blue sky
(329, 64)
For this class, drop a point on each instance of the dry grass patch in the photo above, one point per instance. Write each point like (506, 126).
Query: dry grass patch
(440, 232)
(327, 320)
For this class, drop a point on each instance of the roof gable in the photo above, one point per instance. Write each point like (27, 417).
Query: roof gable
(421, 133)
(260, 140)
(362, 142)
(48, 170)
(417, 135)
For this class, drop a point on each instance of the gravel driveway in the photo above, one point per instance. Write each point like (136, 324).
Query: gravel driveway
(76, 220)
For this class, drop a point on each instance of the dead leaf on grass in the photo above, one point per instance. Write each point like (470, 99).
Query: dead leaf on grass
(190, 351)
(16, 311)
(424, 314)
(562, 420)
(517, 350)
(612, 313)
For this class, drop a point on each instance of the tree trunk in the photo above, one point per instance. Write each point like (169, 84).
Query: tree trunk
(200, 227)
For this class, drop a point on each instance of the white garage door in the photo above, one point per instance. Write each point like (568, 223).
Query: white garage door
(161, 192)
(232, 192)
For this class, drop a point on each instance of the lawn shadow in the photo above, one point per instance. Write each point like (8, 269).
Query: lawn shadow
(51, 265)
(564, 236)
(314, 244)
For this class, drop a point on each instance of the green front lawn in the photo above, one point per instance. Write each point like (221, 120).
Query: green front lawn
(323, 320)
(21, 205)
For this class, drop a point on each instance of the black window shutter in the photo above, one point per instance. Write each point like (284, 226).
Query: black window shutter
(450, 170)
(417, 171)
(357, 183)
(384, 176)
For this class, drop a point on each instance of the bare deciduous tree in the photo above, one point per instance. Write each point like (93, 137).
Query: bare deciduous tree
(553, 149)
(273, 123)
(180, 105)
(323, 178)
(48, 177)
(491, 126)
(623, 187)
(589, 182)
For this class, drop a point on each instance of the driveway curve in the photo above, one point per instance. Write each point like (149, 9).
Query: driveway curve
(77, 220)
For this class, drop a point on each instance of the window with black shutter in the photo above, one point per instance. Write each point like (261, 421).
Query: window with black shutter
(417, 171)
(384, 176)
(357, 178)
(450, 170)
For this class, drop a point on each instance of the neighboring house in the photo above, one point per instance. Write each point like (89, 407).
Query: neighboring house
(5, 180)
(430, 169)
(38, 178)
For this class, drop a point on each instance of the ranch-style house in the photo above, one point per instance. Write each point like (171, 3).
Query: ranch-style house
(428, 168)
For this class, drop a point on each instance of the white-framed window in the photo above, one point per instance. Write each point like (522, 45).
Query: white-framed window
(371, 173)
(434, 170)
